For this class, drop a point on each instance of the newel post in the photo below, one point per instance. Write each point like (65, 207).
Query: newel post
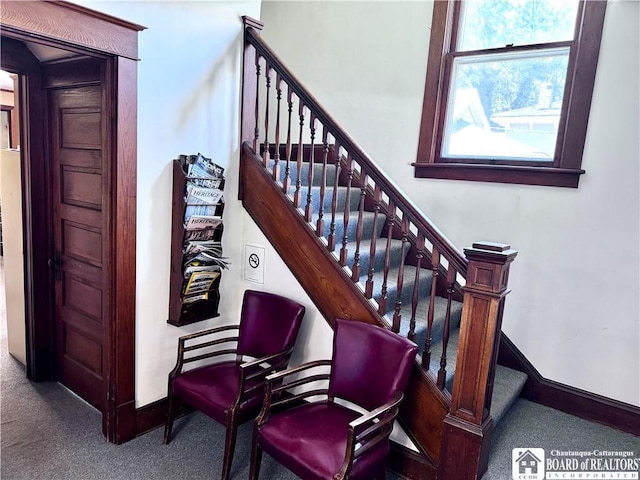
(466, 434)
(249, 83)
(249, 100)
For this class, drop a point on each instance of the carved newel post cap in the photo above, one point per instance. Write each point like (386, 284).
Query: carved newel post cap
(491, 246)
(493, 252)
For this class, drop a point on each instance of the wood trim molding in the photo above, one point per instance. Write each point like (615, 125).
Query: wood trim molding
(590, 406)
(154, 415)
(121, 394)
(71, 25)
(90, 33)
(551, 177)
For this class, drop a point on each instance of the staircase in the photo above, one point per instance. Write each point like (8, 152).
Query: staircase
(373, 244)
(364, 251)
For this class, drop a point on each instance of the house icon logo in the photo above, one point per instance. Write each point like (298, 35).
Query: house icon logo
(527, 464)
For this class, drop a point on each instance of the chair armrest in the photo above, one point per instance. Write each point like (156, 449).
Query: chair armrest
(276, 362)
(378, 412)
(267, 359)
(182, 349)
(274, 387)
(368, 430)
(290, 371)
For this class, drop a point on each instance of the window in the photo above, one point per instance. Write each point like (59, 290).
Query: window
(508, 90)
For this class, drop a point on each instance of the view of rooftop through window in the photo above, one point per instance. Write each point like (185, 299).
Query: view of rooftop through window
(508, 78)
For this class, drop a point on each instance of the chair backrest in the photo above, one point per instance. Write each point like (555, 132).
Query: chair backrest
(269, 323)
(370, 364)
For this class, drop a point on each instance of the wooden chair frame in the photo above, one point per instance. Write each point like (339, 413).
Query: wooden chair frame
(257, 369)
(365, 432)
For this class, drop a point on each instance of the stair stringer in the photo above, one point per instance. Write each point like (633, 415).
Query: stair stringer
(333, 292)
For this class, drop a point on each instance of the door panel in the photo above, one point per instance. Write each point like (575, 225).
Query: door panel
(78, 126)
(82, 242)
(80, 188)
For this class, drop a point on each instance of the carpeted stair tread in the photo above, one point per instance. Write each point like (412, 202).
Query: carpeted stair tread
(304, 177)
(408, 282)
(439, 315)
(507, 385)
(395, 249)
(354, 199)
(352, 227)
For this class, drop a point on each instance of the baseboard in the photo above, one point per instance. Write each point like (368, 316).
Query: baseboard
(590, 406)
(154, 415)
(409, 464)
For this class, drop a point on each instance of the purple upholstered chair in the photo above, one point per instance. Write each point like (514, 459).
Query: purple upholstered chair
(324, 440)
(231, 390)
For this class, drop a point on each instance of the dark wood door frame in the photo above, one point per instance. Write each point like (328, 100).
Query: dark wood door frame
(86, 32)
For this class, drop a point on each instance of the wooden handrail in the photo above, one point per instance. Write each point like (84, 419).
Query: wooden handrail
(388, 186)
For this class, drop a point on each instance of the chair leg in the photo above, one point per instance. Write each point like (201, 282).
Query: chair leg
(229, 446)
(256, 458)
(170, 416)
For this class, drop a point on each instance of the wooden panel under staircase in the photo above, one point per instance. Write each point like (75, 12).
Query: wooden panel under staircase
(363, 251)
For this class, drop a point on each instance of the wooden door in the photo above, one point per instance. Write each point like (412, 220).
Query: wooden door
(80, 173)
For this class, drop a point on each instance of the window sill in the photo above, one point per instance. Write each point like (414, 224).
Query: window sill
(515, 174)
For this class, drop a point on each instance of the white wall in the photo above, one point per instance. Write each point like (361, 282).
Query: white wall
(574, 310)
(188, 102)
(11, 200)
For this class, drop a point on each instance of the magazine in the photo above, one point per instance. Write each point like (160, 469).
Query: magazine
(200, 282)
(202, 195)
(198, 235)
(198, 222)
(201, 167)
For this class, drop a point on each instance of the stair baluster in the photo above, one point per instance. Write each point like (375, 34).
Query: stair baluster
(435, 262)
(355, 269)
(405, 244)
(391, 218)
(308, 210)
(276, 153)
(331, 242)
(345, 219)
(416, 286)
(442, 373)
(256, 133)
(297, 200)
(265, 152)
(323, 182)
(286, 182)
(368, 290)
